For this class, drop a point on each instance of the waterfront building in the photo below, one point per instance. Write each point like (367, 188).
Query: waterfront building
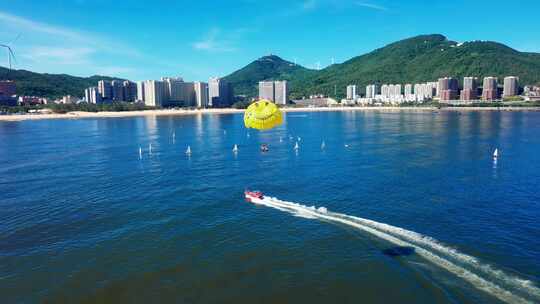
(281, 92)
(448, 88)
(130, 91)
(396, 90)
(91, 95)
(154, 93)
(178, 92)
(470, 88)
(385, 90)
(372, 90)
(275, 91)
(351, 92)
(511, 86)
(201, 94)
(220, 93)
(105, 89)
(140, 91)
(68, 99)
(266, 90)
(408, 89)
(117, 90)
(489, 89)
(7, 88)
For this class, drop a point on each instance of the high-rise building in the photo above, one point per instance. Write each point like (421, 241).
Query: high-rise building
(408, 89)
(201, 94)
(267, 90)
(448, 88)
(7, 88)
(470, 88)
(511, 86)
(117, 90)
(179, 92)
(489, 89)
(396, 89)
(105, 90)
(372, 90)
(220, 93)
(7, 92)
(130, 91)
(154, 93)
(140, 91)
(91, 95)
(351, 92)
(68, 99)
(281, 92)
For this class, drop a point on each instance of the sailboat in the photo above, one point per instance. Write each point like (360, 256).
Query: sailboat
(496, 153)
(140, 153)
(296, 147)
(323, 145)
(188, 151)
(235, 148)
(150, 148)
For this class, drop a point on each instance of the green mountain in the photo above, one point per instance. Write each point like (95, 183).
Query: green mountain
(49, 85)
(418, 59)
(272, 67)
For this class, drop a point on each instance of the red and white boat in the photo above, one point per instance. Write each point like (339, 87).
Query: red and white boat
(253, 196)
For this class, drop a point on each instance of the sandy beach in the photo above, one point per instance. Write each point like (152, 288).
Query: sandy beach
(172, 112)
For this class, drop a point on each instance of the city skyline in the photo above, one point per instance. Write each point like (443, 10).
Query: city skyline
(80, 43)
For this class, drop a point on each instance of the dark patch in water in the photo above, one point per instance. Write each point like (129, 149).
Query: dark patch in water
(399, 251)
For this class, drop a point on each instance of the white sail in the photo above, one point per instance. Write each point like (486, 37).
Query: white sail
(150, 148)
(235, 148)
(140, 152)
(496, 153)
(188, 151)
(323, 145)
(296, 147)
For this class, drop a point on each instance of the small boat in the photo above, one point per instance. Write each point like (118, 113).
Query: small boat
(150, 148)
(140, 152)
(188, 150)
(323, 145)
(347, 145)
(296, 147)
(235, 148)
(496, 153)
(253, 196)
(280, 139)
(264, 148)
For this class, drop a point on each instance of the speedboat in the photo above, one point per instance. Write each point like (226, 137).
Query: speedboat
(253, 196)
(264, 148)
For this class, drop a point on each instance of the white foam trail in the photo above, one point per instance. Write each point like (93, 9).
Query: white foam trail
(433, 251)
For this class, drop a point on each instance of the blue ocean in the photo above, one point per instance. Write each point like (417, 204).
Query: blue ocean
(394, 207)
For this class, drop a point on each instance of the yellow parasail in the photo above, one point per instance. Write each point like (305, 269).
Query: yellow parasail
(263, 115)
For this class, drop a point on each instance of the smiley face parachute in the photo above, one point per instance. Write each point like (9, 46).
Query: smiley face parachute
(263, 115)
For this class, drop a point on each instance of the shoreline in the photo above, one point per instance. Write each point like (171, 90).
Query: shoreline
(172, 112)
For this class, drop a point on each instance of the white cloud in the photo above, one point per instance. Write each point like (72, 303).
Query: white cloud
(65, 55)
(371, 6)
(45, 47)
(214, 43)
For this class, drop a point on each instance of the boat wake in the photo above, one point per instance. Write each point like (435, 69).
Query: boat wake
(498, 283)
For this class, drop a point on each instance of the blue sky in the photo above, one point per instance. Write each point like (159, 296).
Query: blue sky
(198, 39)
